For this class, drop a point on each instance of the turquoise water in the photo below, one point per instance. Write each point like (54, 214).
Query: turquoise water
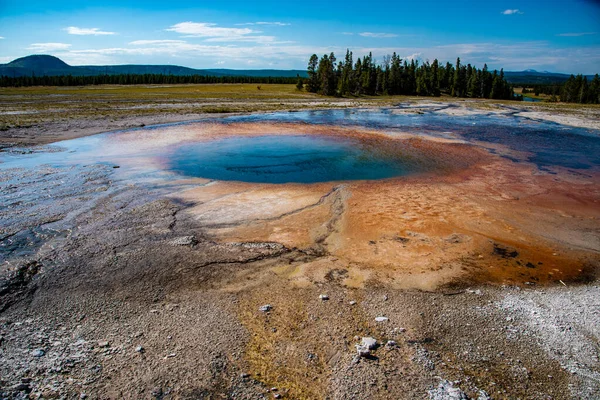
(283, 159)
(317, 158)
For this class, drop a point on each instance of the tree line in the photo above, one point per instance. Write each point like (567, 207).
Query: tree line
(395, 76)
(577, 89)
(135, 79)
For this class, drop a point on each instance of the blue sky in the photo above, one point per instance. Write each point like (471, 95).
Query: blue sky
(552, 35)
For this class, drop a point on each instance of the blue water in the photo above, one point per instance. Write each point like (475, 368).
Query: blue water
(531, 99)
(547, 143)
(282, 159)
(307, 159)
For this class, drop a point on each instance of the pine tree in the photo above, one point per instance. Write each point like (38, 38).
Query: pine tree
(457, 83)
(300, 84)
(313, 79)
(434, 79)
(595, 90)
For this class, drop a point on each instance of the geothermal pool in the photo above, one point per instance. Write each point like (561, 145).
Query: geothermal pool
(290, 158)
(404, 194)
(302, 156)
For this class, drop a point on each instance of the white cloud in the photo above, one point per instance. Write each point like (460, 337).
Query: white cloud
(204, 29)
(512, 57)
(378, 35)
(512, 12)
(1, 37)
(220, 62)
(576, 34)
(157, 42)
(44, 47)
(266, 23)
(254, 39)
(213, 33)
(73, 30)
(414, 56)
(347, 33)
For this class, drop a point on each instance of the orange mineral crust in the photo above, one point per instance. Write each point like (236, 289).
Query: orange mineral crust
(476, 217)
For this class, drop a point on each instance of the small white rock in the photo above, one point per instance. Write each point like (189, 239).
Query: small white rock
(352, 302)
(369, 342)
(265, 308)
(366, 345)
(38, 353)
(381, 319)
(324, 297)
(139, 349)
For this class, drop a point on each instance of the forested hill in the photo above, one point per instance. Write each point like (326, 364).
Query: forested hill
(44, 65)
(531, 76)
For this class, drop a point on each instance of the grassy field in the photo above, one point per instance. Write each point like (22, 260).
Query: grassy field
(34, 106)
(542, 97)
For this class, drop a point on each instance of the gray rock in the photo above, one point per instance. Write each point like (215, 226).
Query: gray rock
(369, 343)
(324, 297)
(265, 308)
(483, 395)
(362, 351)
(366, 345)
(184, 241)
(139, 349)
(447, 391)
(38, 353)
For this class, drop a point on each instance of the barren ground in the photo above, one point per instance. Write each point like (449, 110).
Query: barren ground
(111, 288)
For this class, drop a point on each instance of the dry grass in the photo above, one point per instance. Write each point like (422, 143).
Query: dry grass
(25, 107)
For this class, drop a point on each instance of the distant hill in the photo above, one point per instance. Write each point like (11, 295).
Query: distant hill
(41, 65)
(45, 65)
(536, 77)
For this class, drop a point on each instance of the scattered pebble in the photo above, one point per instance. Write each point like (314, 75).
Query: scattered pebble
(324, 297)
(381, 319)
(103, 343)
(184, 241)
(139, 349)
(265, 308)
(366, 345)
(38, 353)
(352, 302)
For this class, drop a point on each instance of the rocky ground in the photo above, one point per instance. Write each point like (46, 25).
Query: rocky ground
(112, 289)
